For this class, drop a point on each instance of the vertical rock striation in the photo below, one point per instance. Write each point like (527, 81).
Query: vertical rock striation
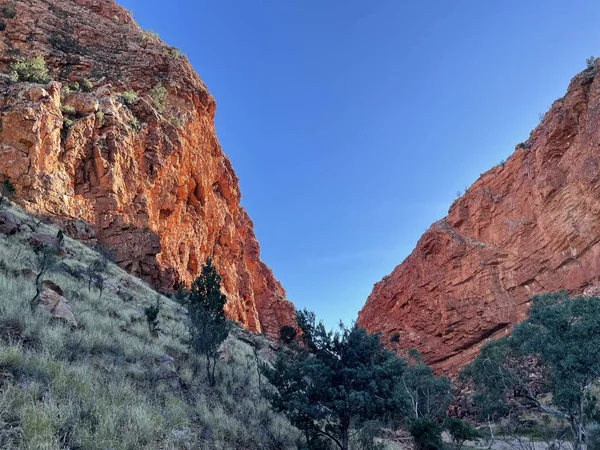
(144, 177)
(528, 226)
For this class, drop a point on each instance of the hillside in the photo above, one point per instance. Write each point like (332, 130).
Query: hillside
(529, 225)
(90, 374)
(117, 144)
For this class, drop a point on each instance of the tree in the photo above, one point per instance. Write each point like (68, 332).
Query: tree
(45, 259)
(555, 351)
(152, 312)
(287, 334)
(94, 270)
(460, 432)
(429, 395)
(427, 434)
(336, 384)
(209, 327)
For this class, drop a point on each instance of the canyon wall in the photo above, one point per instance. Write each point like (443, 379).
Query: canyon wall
(145, 178)
(529, 225)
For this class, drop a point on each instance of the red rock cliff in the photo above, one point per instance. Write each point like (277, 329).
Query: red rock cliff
(145, 178)
(529, 226)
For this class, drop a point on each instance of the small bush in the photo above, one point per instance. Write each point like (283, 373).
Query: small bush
(152, 316)
(287, 334)
(33, 70)
(589, 62)
(66, 90)
(99, 116)
(461, 432)
(74, 86)
(158, 94)
(426, 434)
(130, 97)
(67, 123)
(9, 12)
(149, 35)
(68, 110)
(135, 124)
(86, 85)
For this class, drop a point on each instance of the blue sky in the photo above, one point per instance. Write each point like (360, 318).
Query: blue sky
(353, 124)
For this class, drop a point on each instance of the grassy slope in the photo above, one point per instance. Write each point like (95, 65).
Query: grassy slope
(100, 386)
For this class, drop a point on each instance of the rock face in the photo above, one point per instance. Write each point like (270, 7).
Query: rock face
(144, 177)
(528, 226)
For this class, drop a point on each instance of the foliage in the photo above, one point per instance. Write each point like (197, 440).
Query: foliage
(67, 110)
(426, 434)
(130, 97)
(8, 11)
(553, 352)
(93, 271)
(589, 62)
(74, 86)
(158, 94)
(429, 395)
(86, 85)
(287, 334)
(209, 327)
(32, 70)
(45, 259)
(135, 124)
(460, 432)
(337, 384)
(152, 312)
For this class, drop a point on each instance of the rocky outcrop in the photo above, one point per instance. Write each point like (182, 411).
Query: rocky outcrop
(142, 174)
(527, 226)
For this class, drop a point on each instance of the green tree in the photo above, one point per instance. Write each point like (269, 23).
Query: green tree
(152, 312)
(460, 432)
(287, 334)
(555, 351)
(429, 395)
(335, 385)
(208, 325)
(427, 434)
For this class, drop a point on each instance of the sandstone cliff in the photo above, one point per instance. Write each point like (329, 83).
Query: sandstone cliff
(143, 177)
(528, 226)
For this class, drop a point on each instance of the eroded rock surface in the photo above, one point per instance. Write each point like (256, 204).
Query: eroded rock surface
(528, 226)
(145, 178)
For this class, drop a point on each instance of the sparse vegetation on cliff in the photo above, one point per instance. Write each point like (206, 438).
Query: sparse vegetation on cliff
(33, 70)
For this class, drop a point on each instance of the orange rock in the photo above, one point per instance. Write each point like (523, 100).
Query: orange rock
(148, 181)
(528, 226)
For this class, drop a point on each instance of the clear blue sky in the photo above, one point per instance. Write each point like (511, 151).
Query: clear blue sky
(353, 124)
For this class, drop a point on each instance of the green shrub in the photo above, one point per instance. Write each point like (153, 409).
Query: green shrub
(68, 110)
(135, 124)
(86, 85)
(426, 434)
(152, 312)
(9, 12)
(461, 432)
(130, 97)
(287, 334)
(33, 70)
(74, 86)
(589, 62)
(99, 116)
(158, 94)
(67, 123)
